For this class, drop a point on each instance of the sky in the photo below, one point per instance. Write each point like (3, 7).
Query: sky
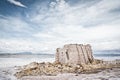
(41, 26)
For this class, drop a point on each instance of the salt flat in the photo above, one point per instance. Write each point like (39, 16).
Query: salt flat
(108, 74)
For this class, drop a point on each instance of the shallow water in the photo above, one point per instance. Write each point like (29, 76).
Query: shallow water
(19, 60)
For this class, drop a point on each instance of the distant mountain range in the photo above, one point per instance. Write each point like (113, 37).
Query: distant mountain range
(107, 53)
(17, 53)
(25, 53)
(94, 52)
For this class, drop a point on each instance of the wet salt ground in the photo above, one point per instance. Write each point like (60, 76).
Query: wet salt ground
(7, 73)
(107, 74)
(11, 62)
(20, 60)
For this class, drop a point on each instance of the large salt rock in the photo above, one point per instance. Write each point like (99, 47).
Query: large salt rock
(74, 54)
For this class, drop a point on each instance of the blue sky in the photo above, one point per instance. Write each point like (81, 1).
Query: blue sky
(40, 26)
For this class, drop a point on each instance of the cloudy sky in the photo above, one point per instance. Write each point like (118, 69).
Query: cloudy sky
(40, 26)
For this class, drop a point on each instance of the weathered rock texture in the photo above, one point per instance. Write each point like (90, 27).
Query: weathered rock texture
(53, 69)
(74, 54)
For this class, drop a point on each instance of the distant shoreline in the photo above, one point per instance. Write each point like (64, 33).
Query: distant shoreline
(25, 54)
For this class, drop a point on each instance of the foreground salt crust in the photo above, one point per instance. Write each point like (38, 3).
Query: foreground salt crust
(95, 71)
(108, 74)
(53, 69)
(8, 73)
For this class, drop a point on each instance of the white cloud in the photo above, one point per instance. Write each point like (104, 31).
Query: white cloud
(66, 24)
(14, 24)
(20, 45)
(17, 3)
(101, 37)
(63, 13)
